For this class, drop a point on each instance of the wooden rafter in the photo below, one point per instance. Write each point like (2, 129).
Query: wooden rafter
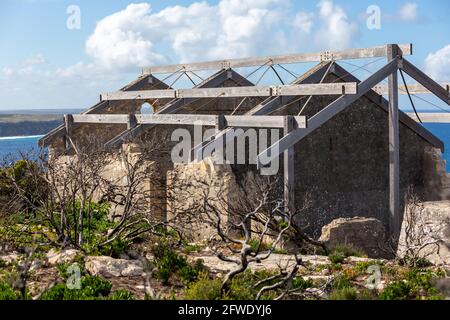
(434, 87)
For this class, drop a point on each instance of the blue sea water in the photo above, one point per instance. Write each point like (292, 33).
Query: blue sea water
(13, 146)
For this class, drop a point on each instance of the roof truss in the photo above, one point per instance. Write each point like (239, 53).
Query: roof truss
(362, 53)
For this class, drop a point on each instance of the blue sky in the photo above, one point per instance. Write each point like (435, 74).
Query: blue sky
(58, 67)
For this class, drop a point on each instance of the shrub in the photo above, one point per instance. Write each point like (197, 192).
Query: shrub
(337, 257)
(92, 288)
(7, 293)
(204, 289)
(121, 295)
(300, 282)
(397, 290)
(417, 284)
(341, 282)
(344, 294)
(345, 251)
(168, 262)
(115, 248)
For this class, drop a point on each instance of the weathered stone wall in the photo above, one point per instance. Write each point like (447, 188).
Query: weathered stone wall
(437, 180)
(343, 166)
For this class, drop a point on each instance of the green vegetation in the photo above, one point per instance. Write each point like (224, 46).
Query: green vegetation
(7, 293)
(418, 284)
(169, 263)
(339, 253)
(204, 289)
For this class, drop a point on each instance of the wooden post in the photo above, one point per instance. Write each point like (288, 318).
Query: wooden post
(289, 182)
(68, 122)
(394, 148)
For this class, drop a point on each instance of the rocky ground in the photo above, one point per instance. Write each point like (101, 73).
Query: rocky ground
(134, 272)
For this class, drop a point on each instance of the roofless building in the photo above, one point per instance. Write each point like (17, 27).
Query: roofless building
(342, 140)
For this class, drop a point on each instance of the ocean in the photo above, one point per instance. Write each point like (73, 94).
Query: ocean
(11, 147)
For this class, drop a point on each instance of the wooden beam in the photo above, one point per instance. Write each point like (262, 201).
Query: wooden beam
(190, 119)
(233, 92)
(361, 53)
(68, 124)
(100, 118)
(326, 114)
(289, 173)
(431, 117)
(434, 87)
(414, 88)
(394, 146)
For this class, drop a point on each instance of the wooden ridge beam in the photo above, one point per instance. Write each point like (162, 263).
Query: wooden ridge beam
(326, 114)
(233, 92)
(360, 53)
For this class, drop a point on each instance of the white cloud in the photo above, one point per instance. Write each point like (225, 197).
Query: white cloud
(137, 37)
(408, 12)
(437, 64)
(304, 21)
(35, 60)
(336, 31)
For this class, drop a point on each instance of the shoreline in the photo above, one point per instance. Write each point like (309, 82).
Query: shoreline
(20, 137)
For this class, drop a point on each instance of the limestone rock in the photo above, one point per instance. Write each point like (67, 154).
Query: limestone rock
(55, 257)
(366, 234)
(428, 226)
(110, 267)
(10, 258)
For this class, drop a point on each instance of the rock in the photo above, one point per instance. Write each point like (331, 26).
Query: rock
(428, 226)
(124, 256)
(110, 267)
(365, 234)
(66, 256)
(133, 254)
(10, 258)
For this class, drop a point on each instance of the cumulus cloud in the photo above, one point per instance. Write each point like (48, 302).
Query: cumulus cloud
(35, 60)
(137, 36)
(437, 64)
(304, 21)
(336, 31)
(408, 12)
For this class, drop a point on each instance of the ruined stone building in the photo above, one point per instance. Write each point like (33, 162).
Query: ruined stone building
(344, 157)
